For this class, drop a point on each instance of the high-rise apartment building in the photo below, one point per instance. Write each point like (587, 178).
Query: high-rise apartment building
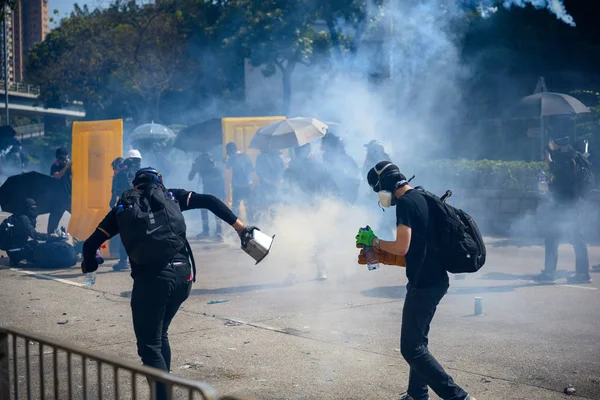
(26, 25)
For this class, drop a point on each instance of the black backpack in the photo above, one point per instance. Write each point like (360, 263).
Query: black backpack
(460, 244)
(6, 232)
(584, 176)
(151, 226)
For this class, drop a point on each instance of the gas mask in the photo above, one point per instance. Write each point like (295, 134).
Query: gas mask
(386, 197)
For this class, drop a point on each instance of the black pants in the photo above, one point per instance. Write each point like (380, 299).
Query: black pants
(567, 225)
(154, 302)
(239, 194)
(425, 371)
(23, 253)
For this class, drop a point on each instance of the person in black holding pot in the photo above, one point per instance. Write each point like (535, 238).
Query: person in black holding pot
(427, 278)
(152, 228)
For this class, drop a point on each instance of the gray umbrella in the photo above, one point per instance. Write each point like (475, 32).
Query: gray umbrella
(151, 131)
(545, 104)
(288, 133)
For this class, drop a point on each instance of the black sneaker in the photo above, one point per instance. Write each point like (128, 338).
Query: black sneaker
(580, 278)
(545, 278)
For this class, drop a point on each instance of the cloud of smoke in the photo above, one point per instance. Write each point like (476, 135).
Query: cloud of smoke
(556, 7)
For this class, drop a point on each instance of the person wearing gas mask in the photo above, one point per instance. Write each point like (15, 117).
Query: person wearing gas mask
(571, 179)
(427, 278)
(18, 235)
(61, 170)
(152, 228)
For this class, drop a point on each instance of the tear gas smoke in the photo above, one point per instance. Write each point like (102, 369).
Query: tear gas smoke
(556, 7)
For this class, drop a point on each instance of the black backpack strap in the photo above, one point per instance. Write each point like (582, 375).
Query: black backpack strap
(191, 257)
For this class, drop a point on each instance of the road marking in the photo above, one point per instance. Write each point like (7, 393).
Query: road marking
(49, 277)
(580, 287)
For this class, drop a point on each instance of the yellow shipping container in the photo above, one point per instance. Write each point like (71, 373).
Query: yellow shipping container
(95, 145)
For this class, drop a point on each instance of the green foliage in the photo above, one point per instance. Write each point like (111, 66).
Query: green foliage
(119, 61)
(482, 174)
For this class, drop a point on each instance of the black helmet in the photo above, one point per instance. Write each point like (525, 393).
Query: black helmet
(147, 175)
(61, 152)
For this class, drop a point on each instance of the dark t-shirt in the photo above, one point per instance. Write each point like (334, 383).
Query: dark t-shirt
(66, 178)
(241, 169)
(423, 266)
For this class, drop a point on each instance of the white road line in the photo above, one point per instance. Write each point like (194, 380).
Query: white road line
(49, 277)
(580, 287)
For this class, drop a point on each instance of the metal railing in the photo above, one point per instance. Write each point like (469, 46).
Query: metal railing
(29, 131)
(20, 87)
(51, 368)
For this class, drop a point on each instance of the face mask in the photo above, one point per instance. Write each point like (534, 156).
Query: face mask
(385, 198)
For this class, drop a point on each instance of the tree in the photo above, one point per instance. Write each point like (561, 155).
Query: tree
(274, 34)
(122, 68)
(353, 15)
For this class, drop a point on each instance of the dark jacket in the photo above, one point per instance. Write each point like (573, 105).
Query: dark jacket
(22, 231)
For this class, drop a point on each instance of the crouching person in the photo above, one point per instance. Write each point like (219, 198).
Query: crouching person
(18, 235)
(150, 221)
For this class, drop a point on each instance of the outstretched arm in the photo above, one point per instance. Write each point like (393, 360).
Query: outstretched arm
(192, 200)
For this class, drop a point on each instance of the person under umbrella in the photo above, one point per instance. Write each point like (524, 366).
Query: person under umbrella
(61, 170)
(347, 174)
(269, 169)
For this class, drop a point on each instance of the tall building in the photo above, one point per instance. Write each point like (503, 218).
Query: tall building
(26, 25)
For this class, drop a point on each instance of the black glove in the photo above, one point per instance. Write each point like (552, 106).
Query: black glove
(246, 234)
(90, 266)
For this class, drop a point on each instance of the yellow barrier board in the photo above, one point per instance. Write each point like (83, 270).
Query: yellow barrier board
(95, 145)
(241, 131)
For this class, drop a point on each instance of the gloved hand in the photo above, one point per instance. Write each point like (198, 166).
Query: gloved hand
(365, 237)
(383, 257)
(246, 234)
(90, 266)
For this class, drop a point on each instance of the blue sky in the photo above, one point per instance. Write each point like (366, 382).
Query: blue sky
(66, 6)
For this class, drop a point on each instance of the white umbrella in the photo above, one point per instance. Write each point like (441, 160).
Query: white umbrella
(288, 133)
(151, 131)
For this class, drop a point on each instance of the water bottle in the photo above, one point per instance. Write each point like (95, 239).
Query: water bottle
(543, 182)
(89, 278)
(371, 257)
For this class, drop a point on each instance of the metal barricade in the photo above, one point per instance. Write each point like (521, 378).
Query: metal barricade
(36, 367)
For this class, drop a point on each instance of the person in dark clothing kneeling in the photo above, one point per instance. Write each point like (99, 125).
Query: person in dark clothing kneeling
(427, 279)
(152, 229)
(21, 237)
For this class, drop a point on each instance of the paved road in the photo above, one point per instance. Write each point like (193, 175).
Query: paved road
(338, 339)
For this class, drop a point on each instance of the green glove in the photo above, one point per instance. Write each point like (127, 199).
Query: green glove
(365, 237)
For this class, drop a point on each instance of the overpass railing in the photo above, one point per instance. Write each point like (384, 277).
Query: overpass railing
(20, 87)
(34, 366)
